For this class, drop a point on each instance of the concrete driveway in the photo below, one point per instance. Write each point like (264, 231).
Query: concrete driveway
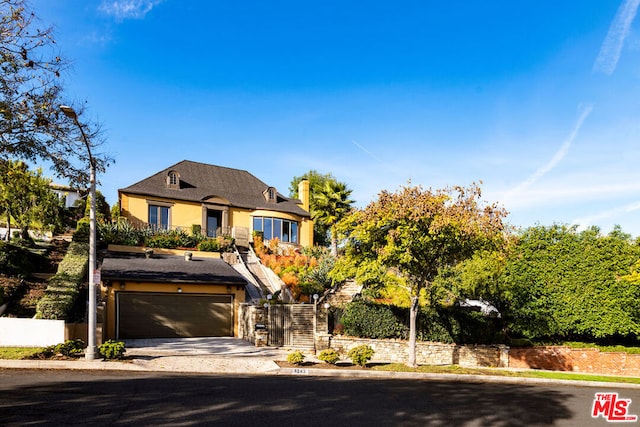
(211, 354)
(220, 346)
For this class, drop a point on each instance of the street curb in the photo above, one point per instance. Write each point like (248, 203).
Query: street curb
(494, 379)
(75, 365)
(140, 366)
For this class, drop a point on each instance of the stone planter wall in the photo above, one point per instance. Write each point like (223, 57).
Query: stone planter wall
(427, 353)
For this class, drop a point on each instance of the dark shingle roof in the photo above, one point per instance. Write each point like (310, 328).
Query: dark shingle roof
(168, 269)
(199, 181)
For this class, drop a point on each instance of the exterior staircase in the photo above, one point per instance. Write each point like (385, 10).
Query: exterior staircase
(255, 290)
(343, 293)
(266, 279)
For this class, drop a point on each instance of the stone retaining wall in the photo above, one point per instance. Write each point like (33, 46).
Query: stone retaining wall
(590, 361)
(427, 353)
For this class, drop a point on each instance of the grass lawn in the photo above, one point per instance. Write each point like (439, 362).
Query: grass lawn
(399, 367)
(18, 352)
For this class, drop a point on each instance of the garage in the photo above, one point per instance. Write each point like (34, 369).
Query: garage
(169, 296)
(157, 315)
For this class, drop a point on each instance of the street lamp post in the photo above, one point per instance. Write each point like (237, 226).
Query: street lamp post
(90, 351)
(315, 318)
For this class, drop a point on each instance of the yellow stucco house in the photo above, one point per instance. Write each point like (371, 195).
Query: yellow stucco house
(221, 201)
(167, 295)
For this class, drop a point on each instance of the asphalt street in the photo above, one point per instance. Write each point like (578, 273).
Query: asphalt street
(58, 397)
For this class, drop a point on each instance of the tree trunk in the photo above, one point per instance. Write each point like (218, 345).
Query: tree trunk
(413, 315)
(334, 242)
(24, 233)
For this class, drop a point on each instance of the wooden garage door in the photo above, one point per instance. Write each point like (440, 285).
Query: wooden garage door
(155, 315)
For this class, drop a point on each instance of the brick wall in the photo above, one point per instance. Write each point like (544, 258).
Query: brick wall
(591, 361)
(427, 353)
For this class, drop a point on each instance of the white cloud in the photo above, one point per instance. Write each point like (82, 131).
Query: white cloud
(557, 157)
(554, 194)
(611, 48)
(586, 221)
(128, 9)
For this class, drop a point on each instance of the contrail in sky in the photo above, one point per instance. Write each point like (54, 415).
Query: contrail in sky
(611, 48)
(584, 222)
(366, 151)
(560, 154)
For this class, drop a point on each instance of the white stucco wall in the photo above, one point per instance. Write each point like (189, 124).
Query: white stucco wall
(30, 332)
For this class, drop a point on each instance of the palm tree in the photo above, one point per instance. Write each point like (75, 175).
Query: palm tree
(332, 203)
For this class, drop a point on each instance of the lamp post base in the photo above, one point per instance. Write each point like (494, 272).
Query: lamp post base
(90, 353)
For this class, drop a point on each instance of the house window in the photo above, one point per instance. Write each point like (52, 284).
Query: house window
(276, 228)
(173, 180)
(267, 228)
(159, 217)
(270, 195)
(214, 222)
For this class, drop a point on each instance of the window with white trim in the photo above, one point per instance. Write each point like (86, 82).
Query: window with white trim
(276, 228)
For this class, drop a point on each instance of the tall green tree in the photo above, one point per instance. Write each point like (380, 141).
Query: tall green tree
(326, 195)
(417, 232)
(332, 205)
(31, 92)
(570, 284)
(26, 197)
(103, 211)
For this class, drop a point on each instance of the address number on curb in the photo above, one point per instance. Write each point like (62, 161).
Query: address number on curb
(299, 371)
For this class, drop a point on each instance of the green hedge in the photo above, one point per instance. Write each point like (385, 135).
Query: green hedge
(447, 325)
(461, 326)
(369, 320)
(63, 288)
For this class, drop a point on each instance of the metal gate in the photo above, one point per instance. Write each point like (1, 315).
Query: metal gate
(291, 325)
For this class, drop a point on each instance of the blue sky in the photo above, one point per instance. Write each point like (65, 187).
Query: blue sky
(539, 100)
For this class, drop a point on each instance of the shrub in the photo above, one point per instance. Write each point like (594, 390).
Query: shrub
(432, 326)
(209, 245)
(225, 243)
(190, 240)
(111, 350)
(163, 239)
(69, 348)
(320, 274)
(360, 355)
(308, 288)
(329, 356)
(368, 320)
(295, 357)
(83, 229)
(123, 233)
(19, 261)
(63, 288)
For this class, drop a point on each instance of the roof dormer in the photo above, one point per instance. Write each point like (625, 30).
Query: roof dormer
(270, 195)
(173, 180)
